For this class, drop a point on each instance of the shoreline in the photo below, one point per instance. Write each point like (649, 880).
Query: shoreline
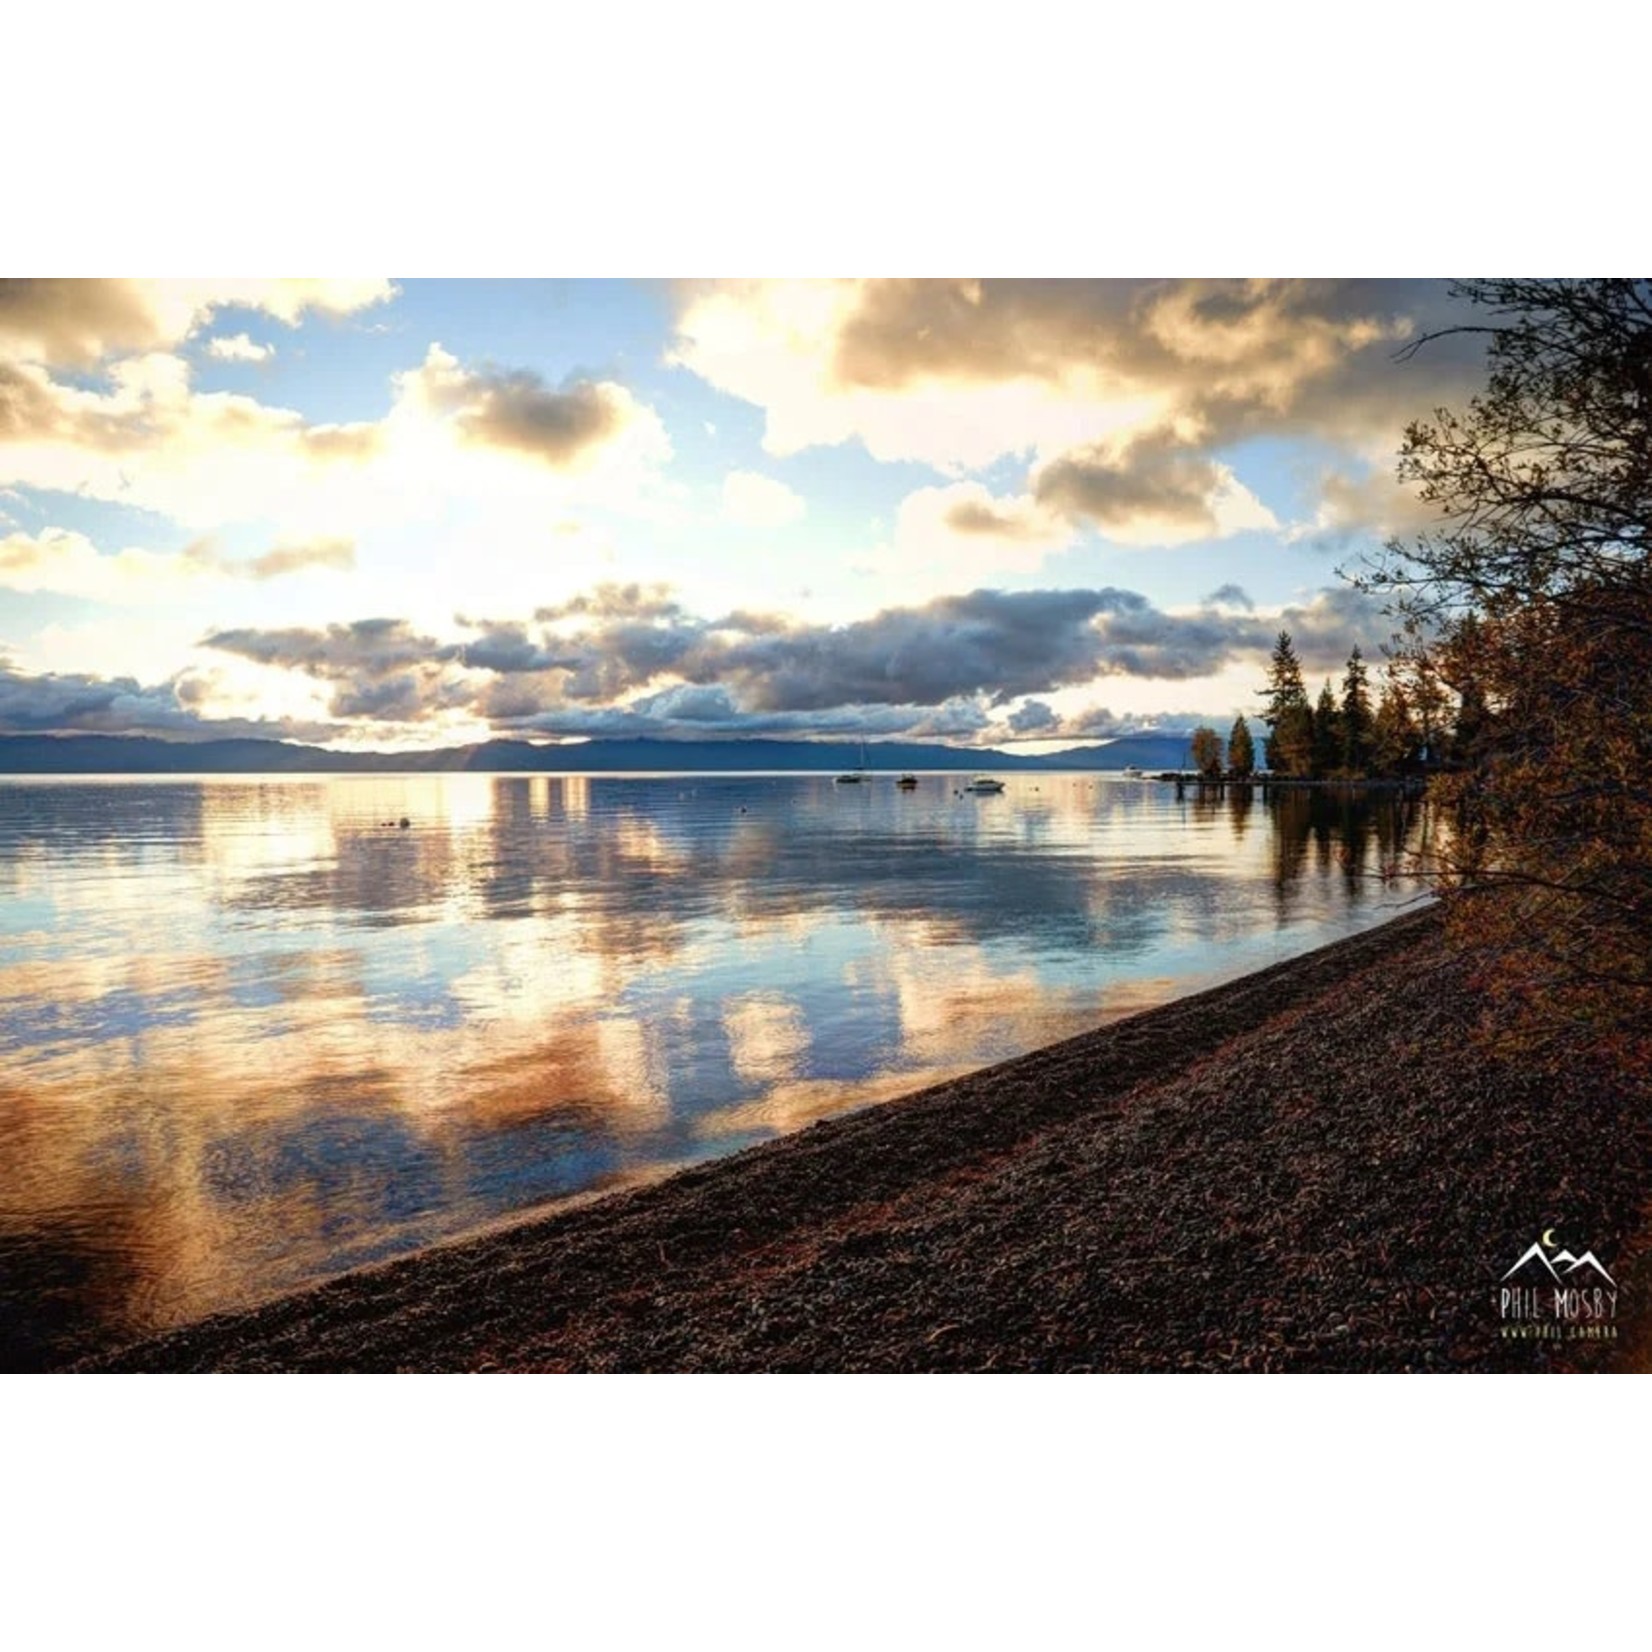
(1295, 1169)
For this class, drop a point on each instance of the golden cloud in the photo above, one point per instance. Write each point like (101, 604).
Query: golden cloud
(81, 322)
(1122, 394)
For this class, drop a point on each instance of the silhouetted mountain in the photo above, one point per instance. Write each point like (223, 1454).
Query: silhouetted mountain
(142, 754)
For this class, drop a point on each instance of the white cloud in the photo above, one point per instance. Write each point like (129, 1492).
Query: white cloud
(110, 645)
(239, 347)
(754, 501)
(965, 532)
(518, 453)
(775, 344)
(69, 564)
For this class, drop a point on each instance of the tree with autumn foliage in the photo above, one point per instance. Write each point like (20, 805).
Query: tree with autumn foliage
(1396, 741)
(1207, 753)
(1531, 602)
(1241, 750)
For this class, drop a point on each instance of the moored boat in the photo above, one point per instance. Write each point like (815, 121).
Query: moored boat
(853, 777)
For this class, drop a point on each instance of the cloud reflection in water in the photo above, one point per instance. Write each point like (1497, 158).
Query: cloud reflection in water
(253, 1035)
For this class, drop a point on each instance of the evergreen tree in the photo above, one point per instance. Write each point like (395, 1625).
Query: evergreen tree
(1289, 748)
(1356, 717)
(1327, 734)
(1241, 750)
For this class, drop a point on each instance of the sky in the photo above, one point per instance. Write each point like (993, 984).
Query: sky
(387, 513)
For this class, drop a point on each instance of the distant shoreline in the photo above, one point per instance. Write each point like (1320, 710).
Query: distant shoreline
(93, 755)
(1305, 1168)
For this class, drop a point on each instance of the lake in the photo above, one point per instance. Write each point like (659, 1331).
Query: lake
(253, 1032)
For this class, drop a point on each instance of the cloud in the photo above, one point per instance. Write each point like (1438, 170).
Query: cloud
(68, 563)
(631, 659)
(614, 601)
(955, 649)
(1154, 490)
(77, 323)
(380, 670)
(149, 439)
(1367, 506)
(966, 532)
(1032, 718)
(369, 648)
(754, 501)
(239, 348)
(518, 411)
(988, 517)
(1037, 721)
(691, 712)
(507, 650)
(1226, 355)
(55, 702)
(501, 445)
(1121, 395)
(338, 553)
(776, 345)
(1230, 596)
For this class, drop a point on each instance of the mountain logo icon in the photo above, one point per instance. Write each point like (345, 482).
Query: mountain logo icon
(1538, 1253)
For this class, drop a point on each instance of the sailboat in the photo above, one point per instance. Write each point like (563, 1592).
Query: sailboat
(855, 776)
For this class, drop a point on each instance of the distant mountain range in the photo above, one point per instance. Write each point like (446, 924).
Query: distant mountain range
(142, 754)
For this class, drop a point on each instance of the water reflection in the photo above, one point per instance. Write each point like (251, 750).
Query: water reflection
(253, 1034)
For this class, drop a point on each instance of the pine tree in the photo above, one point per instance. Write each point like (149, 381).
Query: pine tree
(1241, 750)
(1356, 717)
(1289, 748)
(1327, 734)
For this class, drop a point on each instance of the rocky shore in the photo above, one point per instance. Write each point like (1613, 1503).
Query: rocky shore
(1312, 1168)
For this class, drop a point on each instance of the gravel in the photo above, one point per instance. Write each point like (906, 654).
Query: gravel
(1317, 1167)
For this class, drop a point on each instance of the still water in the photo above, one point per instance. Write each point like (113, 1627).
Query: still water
(253, 1032)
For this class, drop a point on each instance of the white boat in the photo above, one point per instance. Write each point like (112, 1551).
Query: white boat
(984, 783)
(854, 777)
(1131, 772)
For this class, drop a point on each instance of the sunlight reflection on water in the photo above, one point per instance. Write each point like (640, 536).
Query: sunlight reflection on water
(255, 1033)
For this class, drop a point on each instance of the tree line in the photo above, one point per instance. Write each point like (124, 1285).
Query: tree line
(1414, 725)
